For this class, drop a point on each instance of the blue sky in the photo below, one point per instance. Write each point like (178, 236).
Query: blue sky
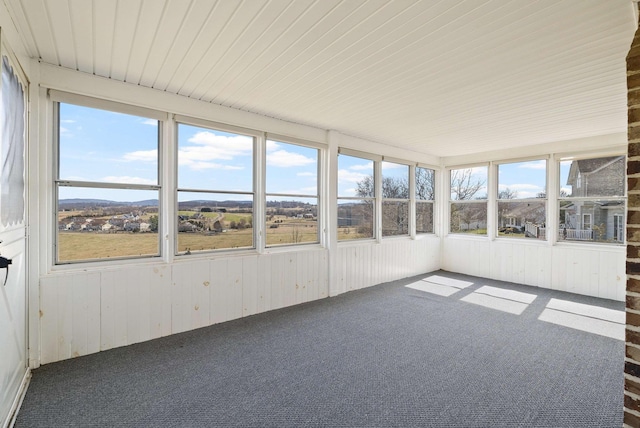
(104, 146)
(527, 179)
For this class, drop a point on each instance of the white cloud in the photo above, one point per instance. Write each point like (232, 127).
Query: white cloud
(284, 159)
(391, 165)
(541, 164)
(362, 167)
(67, 121)
(345, 175)
(129, 180)
(208, 147)
(141, 156)
(272, 145)
(199, 166)
(150, 122)
(520, 187)
(65, 131)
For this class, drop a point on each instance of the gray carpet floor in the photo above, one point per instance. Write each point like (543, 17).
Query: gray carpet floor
(386, 356)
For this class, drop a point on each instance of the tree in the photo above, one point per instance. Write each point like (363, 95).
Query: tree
(425, 184)
(508, 194)
(464, 185)
(392, 187)
(153, 223)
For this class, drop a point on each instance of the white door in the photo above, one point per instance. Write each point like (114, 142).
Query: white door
(13, 303)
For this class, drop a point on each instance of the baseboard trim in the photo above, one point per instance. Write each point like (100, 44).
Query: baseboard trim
(17, 402)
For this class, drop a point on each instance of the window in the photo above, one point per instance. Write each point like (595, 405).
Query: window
(356, 197)
(592, 200)
(468, 203)
(395, 199)
(107, 184)
(425, 195)
(291, 194)
(522, 199)
(215, 189)
(12, 147)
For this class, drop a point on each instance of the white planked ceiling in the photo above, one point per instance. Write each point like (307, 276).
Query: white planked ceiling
(442, 77)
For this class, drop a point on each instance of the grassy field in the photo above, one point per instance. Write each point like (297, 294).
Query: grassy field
(73, 246)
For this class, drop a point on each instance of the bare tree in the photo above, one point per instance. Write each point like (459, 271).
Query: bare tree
(464, 185)
(507, 194)
(425, 184)
(392, 187)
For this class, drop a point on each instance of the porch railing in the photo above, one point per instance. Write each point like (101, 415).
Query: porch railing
(576, 234)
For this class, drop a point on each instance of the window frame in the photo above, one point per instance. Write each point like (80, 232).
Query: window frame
(319, 188)
(545, 199)
(255, 159)
(413, 188)
(57, 98)
(373, 199)
(406, 200)
(623, 198)
(484, 201)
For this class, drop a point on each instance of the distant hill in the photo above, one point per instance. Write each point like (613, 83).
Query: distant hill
(79, 202)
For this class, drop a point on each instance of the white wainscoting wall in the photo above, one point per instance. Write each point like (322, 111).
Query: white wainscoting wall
(83, 312)
(360, 265)
(593, 270)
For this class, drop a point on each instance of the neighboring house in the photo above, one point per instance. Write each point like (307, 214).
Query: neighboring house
(518, 214)
(596, 219)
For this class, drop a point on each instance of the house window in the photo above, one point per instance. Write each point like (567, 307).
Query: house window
(425, 195)
(522, 199)
(356, 197)
(107, 183)
(468, 203)
(215, 189)
(618, 227)
(592, 200)
(395, 199)
(291, 193)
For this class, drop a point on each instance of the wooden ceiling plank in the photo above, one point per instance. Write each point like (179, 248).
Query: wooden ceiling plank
(81, 20)
(192, 26)
(147, 30)
(40, 26)
(104, 24)
(127, 20)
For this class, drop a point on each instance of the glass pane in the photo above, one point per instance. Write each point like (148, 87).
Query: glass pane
(424, 217)
(425, 184)
(597, 177)
(106, 223)
(520, 219)
(355, 177)
(291, 169)
(395, 181)
(592, 221)
(108, 147)
(395, 218)
(214, 160)
(213, 221)
(292, 221)
(469, 183)
(522, 180)
(469, 218)
(355, 219)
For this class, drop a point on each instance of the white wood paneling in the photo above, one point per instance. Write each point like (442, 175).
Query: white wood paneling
(361, 265)
(592, 270)
(85, 312)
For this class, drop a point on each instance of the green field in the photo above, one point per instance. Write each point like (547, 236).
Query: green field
(74, 246)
